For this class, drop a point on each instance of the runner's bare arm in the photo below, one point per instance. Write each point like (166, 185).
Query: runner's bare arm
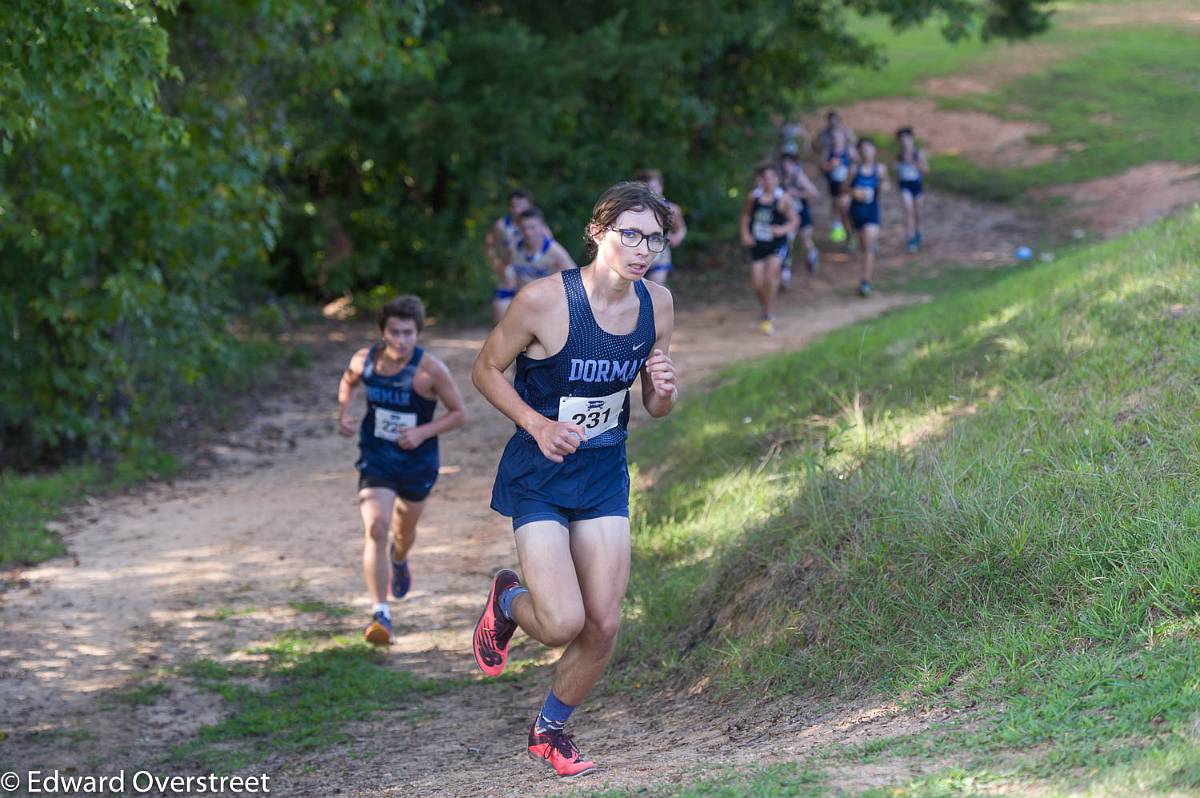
(512, 336)
(922, 163)
(445, 390)
(491, 247)
(883, 178)
(659, 386)
(346, 390)
(562, 258)
(679, 230)
(744, 222)
(793, 218)
(808, 189)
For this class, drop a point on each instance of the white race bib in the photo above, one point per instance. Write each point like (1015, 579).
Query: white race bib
(909, 172)
(864, 194)
(760, 228)
(388, 423)
(596, 414)
(838, 173)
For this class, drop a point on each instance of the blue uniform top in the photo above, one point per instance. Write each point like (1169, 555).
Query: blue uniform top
(840, 169)
(868, 183)
(392, 404)
(512, 233)
(528, 267)
(908, 170)
(592, 363)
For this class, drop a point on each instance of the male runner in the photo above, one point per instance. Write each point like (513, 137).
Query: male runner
(498, 246)
(801, 190)
(911, 168)
(660, 270)
(768, 217)
(579, 339)
(868, 180)
(398, 446)
(536, 254)
(835, 142)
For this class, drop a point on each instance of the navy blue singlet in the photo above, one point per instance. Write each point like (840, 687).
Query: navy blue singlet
(592, 362)
(392, 403)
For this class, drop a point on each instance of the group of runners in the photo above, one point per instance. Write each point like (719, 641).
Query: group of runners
(576, 338)
(778, 211)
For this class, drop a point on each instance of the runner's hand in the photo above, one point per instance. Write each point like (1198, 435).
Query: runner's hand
(410, 438)
(661, 369)
(747, 239)
(557, 439)
(345, 428)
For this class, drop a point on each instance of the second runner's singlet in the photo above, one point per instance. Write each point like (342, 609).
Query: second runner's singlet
(392, 405)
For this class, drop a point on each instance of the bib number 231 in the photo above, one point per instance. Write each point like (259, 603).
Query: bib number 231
(596, 414)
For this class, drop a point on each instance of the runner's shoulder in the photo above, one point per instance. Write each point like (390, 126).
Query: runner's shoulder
(358, 359)
(432, 364)
(660, 296)
(540, 296)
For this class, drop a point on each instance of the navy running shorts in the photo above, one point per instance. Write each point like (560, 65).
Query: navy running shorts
(765, 249)
(805, 216)
(863, 215)
(914, 187)
(410, 487)
(590, 483)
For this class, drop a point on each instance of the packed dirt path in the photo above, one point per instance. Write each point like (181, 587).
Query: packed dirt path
(209, 564)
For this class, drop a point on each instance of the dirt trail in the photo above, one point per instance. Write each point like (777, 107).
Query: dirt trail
(268, 517)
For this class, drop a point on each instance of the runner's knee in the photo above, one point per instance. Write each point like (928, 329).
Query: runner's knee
(603, 628)
(379, 530)
(560, 627)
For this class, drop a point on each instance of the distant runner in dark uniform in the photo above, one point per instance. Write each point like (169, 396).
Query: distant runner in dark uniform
(398, 446)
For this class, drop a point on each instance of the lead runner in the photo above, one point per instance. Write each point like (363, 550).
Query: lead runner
(579, 339)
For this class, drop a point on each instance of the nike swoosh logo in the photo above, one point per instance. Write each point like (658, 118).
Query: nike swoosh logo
(638, 346)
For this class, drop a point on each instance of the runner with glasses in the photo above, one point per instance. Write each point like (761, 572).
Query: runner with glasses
(579, 339)
(768, 218)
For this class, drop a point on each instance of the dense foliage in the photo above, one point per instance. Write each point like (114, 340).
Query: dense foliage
(166, 165)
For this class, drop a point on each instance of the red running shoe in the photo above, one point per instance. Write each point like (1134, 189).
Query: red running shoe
(558, 750)
(493, 631)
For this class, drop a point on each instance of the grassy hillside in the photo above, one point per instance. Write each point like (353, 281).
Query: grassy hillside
(993, 496)
(1110, 96)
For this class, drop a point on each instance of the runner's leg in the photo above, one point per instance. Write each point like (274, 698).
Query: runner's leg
(600, 550)
(404, 526)
(552, 611)
(375, 505)
(867, 237)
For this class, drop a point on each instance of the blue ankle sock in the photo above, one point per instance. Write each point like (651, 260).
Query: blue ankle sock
(554, 714)
(506, 600)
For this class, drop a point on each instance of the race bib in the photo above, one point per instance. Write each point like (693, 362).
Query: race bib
(760, 230)
(909, 172)
(838, 173)
(865, 195)
(596, 414)
(388, 423)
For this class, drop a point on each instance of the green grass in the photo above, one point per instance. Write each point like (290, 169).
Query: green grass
(991, 498)
(1117, 104)
(28, 502)
(1112, 97)
(306, 687)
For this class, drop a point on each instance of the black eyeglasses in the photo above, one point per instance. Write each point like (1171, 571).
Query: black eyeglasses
(655, 242)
